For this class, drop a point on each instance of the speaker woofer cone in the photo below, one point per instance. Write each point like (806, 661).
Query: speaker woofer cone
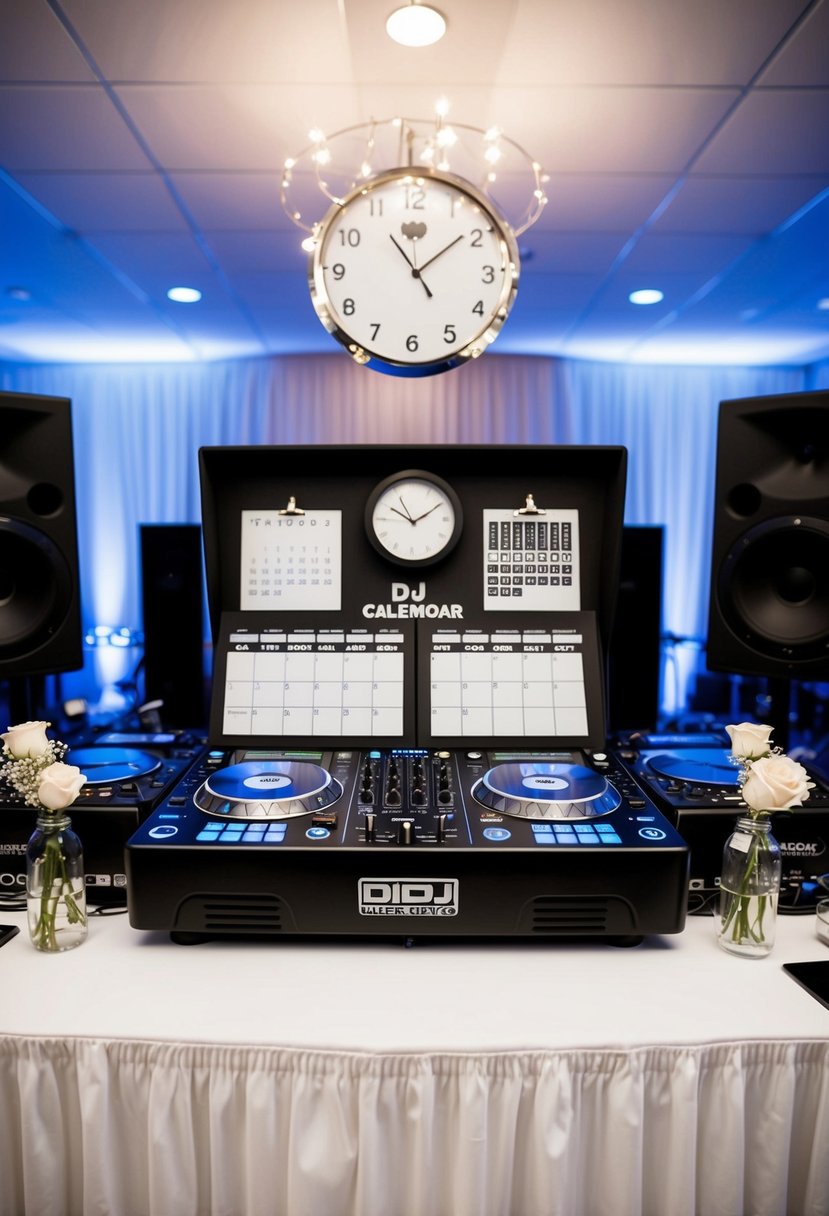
(35, 589)
(773, 588)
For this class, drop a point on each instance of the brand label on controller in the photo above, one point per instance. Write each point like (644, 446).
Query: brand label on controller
(544, 783)
(267, 781)
(407, 896)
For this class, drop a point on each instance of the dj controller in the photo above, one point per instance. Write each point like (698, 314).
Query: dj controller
(694, 782)
(127, 775)
(407, 726)
(407, 841)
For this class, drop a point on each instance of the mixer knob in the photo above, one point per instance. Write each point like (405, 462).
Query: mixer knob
(367, 796)
(393, 798)
(445, 797)
(406, 833)
(418, 797)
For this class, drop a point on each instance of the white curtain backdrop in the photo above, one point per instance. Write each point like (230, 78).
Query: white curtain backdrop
(138, 429)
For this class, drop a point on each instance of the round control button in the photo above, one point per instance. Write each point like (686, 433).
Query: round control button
(163, 831)
(317, 833)
(497, 834)
(652, 834)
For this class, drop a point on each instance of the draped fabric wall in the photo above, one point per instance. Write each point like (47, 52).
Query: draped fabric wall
(138, 430)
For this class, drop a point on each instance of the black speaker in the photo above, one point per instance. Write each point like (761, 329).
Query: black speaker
(769, 601)
(40, 612)
(634, 654)
(172, 594)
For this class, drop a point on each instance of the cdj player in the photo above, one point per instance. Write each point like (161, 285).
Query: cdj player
(407, 715)
(694, 782)
(126, 777)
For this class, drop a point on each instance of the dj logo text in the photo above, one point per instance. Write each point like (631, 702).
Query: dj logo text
(408, 896)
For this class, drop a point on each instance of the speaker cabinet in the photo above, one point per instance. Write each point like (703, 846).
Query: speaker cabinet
(769, 601)
(172, 594)
(634, 654)
(40, 614)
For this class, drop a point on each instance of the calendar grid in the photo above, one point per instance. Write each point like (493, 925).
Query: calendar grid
(494, 687)
(315, 688)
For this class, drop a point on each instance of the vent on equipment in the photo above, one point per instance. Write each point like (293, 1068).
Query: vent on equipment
(236, 913)
(567, 915)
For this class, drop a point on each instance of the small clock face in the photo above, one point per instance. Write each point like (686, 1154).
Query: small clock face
(414, 518)
(414, 271)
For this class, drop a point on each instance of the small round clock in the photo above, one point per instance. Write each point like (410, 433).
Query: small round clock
(414, 518)
(414, 272)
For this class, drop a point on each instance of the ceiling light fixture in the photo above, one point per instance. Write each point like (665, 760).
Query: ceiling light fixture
(823, 304)
(416, 25)
(184, 295)
(646, 295)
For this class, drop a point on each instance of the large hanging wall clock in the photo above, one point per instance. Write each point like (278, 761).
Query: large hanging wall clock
(414, 272)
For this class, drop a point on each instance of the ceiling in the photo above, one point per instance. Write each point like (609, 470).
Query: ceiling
(687, 148)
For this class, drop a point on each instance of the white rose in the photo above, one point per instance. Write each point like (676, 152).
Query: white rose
(27, 739)
(59, 785)
(749, 740)
(775, 783)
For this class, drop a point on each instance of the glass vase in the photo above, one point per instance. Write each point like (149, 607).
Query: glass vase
(749, 888)
(55, 885)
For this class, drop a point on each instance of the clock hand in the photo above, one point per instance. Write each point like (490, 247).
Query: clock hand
(435, 256)
(405, 516)
(425, 513)
(415, 272)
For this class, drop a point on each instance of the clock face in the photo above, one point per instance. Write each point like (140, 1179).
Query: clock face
(414, 271)
(414, 518)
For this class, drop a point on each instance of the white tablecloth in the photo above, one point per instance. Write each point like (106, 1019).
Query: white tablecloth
(228, 1079)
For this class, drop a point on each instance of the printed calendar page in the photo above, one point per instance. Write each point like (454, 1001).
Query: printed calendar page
(531, 562)
(336, 683)
(527, 683)
(291, 562)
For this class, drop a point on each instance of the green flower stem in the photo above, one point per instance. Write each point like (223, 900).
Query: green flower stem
(739, 907)
(56, 885)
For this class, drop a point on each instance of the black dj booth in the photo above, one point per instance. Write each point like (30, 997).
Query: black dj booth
(407, 732)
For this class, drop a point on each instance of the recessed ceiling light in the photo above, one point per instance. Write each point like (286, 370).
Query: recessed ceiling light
(646, 295)
(416, 25)
(184, 295)
(823, 304)
(21, 294)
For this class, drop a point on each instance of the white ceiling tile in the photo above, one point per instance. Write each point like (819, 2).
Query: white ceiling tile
(737, 204)
(107, 202)
(804, 60)
(603, 201)
(200, 40)
(600, 130)
(73, 128)
(637, 42)
(246, 202)
(35, 46)
(233, 127)
(684, 253)
(773, 131)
